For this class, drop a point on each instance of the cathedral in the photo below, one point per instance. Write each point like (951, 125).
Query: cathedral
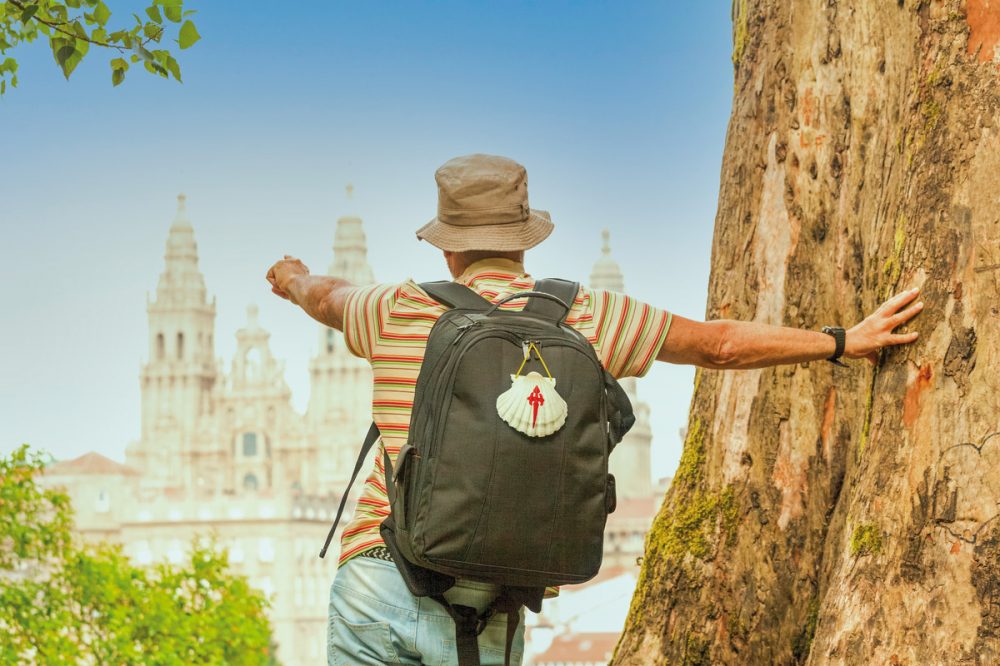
(222, 451)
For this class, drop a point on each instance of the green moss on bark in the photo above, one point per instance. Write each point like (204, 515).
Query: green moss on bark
(692, 521)
(741, 30)
(693, 456)
(866, 540)
(690, 528)
(893, 266)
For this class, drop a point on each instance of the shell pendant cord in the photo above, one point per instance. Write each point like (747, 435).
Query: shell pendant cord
(527, 355)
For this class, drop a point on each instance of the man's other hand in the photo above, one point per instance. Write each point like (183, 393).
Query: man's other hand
(282, 272)
(875, 332)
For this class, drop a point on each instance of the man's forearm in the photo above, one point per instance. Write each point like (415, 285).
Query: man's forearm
(747, 345)
(316, 295)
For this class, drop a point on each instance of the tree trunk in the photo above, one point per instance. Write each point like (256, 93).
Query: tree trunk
(822, 514)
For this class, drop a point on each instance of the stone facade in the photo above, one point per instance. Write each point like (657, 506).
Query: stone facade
(225, 455)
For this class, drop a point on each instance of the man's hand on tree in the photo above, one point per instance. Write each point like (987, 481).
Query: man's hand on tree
(875, 332)
(282, 272)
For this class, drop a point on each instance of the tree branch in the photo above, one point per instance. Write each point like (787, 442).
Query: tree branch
(56, 26)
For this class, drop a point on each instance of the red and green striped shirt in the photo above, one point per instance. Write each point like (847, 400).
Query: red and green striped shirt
(388, 325)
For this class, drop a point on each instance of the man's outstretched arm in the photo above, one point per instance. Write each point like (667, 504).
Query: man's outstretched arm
(726, 344)
(322, 297)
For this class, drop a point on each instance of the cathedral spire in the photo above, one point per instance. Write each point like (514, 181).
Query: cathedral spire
(607, 274)
(350, 249)
(181, 282)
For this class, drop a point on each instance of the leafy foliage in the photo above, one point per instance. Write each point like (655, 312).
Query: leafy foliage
(63, 603)
(73, 26)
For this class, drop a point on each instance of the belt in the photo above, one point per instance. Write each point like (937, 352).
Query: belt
(377, 553)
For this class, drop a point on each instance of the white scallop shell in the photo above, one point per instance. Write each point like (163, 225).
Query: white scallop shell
(517, 409)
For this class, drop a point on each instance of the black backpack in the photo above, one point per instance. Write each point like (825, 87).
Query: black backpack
(481, 490)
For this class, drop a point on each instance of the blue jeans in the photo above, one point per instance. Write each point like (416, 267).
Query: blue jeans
(374, 620)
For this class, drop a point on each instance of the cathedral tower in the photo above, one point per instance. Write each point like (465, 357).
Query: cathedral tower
(261, 448)
(176, 382)
(630, 461)
(340, 397)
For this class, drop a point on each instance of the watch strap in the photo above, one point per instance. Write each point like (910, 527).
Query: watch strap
(840, 337)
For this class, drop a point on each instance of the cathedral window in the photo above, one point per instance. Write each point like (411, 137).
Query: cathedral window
(160, 346)
(180, 346)
(249, 444)
(250, 483)
(265, 550)
(103, 503)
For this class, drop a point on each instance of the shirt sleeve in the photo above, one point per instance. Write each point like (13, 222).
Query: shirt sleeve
(626, 333)
(365, 313)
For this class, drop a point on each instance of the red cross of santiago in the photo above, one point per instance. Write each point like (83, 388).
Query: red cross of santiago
(536, 399)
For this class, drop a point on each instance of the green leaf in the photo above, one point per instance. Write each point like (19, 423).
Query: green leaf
(189, 35)
(173, 13)
(75, 4)
(64, 57)
(3, 87)
(174, 68)
(117, 76)
(102, 13)
(28, 13)
(153, 68)
(154, 13)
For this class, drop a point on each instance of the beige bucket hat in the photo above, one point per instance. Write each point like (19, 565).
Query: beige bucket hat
(483, 205)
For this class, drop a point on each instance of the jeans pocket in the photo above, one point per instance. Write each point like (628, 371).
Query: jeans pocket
(352, 644)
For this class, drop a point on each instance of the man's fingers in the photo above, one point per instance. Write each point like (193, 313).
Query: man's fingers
(903, 338)
(898, 301)
(906, 315)
(279, 293)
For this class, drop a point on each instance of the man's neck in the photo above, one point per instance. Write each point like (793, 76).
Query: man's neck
(500, 264)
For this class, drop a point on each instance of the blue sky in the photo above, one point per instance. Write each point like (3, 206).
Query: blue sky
(618, 111)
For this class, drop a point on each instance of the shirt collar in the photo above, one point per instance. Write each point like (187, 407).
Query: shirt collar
(491, 264)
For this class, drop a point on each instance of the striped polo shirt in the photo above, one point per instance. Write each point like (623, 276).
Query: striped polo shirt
(388, 325)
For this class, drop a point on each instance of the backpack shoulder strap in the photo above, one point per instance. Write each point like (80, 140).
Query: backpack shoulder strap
(564, 290)
(455, 295)
(370, 439)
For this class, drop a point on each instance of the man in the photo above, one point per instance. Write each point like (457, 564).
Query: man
(483, 226)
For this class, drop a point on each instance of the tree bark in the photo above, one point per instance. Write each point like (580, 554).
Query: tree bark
(822, 514)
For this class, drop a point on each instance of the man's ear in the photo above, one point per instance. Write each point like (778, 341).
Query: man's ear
(450, 259)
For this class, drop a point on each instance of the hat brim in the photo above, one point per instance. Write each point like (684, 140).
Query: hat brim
(508, 237)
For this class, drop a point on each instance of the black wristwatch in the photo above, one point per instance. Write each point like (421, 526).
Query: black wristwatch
(840, 336)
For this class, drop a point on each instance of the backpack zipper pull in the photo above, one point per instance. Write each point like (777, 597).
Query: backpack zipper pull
(462, 330)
